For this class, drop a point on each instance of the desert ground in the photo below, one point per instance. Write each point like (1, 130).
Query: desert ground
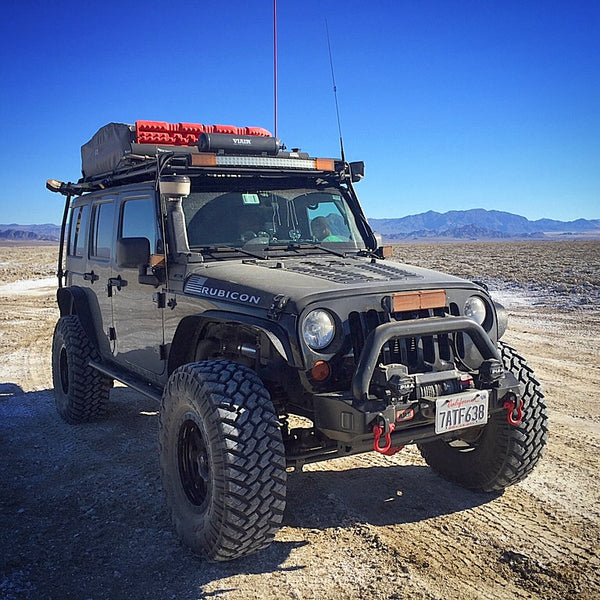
(82, 514)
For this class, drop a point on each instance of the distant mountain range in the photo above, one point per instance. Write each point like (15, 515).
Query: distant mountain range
(46, 232)
(481, 224)
(475, 224)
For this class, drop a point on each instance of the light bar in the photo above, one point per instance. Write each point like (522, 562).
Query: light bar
(205, 159)
(267, 161)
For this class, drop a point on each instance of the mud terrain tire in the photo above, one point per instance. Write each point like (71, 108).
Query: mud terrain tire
(222, 459)
(80, 391)
(502, 454)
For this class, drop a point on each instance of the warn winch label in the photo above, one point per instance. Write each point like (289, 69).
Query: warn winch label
(201, 286)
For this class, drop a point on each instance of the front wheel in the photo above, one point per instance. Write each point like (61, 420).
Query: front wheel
(222, 459)
(501, 454)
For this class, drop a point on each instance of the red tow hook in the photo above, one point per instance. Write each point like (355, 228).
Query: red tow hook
(514, 411)
(388, 449)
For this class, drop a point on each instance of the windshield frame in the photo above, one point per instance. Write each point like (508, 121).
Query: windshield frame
(286, 205)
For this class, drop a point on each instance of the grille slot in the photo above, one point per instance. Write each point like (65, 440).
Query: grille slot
(413, 352)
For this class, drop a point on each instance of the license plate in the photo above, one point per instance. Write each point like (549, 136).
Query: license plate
(459, 411)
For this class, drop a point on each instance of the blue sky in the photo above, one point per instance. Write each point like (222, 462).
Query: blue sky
(452, 105)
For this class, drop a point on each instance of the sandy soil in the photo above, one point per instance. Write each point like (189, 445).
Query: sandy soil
(82, 514)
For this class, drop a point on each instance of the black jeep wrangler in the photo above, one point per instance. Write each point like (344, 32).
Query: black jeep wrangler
(241, 286)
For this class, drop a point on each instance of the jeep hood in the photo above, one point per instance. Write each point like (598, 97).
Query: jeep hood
(308, 279)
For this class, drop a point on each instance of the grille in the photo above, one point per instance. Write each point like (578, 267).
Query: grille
(416, 353)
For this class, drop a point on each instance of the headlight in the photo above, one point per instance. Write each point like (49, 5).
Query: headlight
(318, 329)
(475, 309)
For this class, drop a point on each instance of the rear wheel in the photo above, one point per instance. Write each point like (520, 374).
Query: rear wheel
(81, 392)
(499, 454)
(222, 459)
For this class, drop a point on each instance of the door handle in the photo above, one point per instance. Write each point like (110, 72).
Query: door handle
(91, 276)
(116, 282)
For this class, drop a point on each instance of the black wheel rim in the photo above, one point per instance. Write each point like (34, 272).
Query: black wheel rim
(63, 368)
(194, 466)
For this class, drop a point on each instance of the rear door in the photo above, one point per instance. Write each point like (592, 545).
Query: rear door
(98, 270)
(77, 246)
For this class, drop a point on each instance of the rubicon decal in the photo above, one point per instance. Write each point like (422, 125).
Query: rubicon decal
(230, 295)
(201, 286)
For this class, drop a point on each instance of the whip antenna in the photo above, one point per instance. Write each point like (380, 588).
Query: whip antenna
(337, 108)
(275, 60)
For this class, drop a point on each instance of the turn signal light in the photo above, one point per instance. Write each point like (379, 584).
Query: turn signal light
(320, 371)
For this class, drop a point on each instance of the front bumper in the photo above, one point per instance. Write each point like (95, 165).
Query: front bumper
(349, 417)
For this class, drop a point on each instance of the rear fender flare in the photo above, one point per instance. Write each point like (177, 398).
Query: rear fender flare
(77, 301)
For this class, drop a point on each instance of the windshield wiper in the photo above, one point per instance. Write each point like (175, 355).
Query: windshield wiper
(254, 254)
(369, 253)
(222, 249)
(272, 247)
(297, 246)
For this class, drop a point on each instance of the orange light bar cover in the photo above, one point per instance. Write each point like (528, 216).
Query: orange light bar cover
(204, 159)
(418, 300)
(324, 164)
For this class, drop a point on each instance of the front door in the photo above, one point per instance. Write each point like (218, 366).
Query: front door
(137, 316)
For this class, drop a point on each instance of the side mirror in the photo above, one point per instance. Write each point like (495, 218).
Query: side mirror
(383, 251)
(133, 252)
(357, 170)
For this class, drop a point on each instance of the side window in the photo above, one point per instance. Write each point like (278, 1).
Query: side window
(78, 227)
(102, 231)
(138, 220)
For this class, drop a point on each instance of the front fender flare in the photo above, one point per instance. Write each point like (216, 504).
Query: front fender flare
(180, 344)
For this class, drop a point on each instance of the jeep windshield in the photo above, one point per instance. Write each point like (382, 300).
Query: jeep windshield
(272, 217)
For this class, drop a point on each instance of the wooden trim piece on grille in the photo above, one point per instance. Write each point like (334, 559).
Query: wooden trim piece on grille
(423, 299)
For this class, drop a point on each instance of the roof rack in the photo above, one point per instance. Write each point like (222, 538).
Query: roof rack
(120, 153)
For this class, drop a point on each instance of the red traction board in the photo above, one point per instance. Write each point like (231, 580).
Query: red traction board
(186, 134)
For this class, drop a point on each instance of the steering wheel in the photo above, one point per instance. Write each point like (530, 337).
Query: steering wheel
(247, 235)
(260, 237)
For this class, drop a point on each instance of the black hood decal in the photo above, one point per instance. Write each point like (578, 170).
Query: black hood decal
(348, 271)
